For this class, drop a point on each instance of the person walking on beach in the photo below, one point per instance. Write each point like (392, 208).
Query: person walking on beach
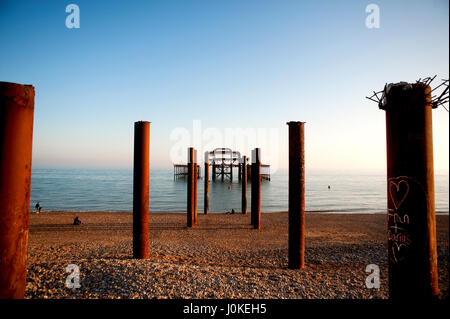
(38, 208)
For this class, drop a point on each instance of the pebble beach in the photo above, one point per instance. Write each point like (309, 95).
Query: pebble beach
(221, 257)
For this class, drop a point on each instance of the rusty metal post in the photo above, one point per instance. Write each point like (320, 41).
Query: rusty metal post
(141, 185)
(239, 171)
(231, 171)
(296, 250)
(412, 254)
(256, 189)
(195, 185)
(206, 191)
(16, 139)
(244, 185)
(190, 188)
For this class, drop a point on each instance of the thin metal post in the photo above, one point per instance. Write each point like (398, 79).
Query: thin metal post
(195, 185)
(256, 189)
(244, 185)
(206, 192)
(190, 188)
(296, 195)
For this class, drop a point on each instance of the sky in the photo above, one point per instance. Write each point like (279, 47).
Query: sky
(220, 74)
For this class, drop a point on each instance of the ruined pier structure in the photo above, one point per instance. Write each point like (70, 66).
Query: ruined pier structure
(181, 171)
(223, 163)
(224, 160)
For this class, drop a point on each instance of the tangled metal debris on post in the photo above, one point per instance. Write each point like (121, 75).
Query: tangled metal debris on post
(439, 97)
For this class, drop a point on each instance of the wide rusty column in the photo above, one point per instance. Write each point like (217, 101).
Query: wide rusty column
(296, 250)
(244, 185)
(206, 192)
(190, 188)
(141, 189)
(412, 255)
(16, 139)
(256, 189)
(195, 185)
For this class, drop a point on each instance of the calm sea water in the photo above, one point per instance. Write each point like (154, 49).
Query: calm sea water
(111, 190)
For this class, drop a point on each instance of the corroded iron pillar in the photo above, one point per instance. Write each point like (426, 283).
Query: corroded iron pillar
(256, 189)
(190, 188)
(239, 171)
(195, 185)
(16, 139)
(206, 192)
(412, 255)
(296, 195)
(231, 171)
(244, 185)
(141, 186)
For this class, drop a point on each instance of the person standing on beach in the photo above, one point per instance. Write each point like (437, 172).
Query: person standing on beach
(38, 208)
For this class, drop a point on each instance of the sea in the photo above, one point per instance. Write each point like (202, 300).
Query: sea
(64, 189)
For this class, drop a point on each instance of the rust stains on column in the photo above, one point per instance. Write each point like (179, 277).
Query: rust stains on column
(141, 189)
(239, 171)
(296, 195)
(195, 185)
(244, 185)
(412, 255)
(206, 192)
(190, 188)
(16, 138)
(256, 189)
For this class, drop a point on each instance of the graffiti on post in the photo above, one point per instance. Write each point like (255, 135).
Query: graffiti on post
(405, 195)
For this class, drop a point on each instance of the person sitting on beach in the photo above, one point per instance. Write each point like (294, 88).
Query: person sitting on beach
(38, 208)
(77, 221)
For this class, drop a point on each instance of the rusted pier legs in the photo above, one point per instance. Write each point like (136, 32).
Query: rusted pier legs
(296, 195)
(141, 189)
(16, 138)
(256, 189)
(239, 171)
(412, 256)
(195, 185)
(244, 185)
(190, 188)
(206, 191)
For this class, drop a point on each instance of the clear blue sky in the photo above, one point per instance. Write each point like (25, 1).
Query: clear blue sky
(230, 64)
